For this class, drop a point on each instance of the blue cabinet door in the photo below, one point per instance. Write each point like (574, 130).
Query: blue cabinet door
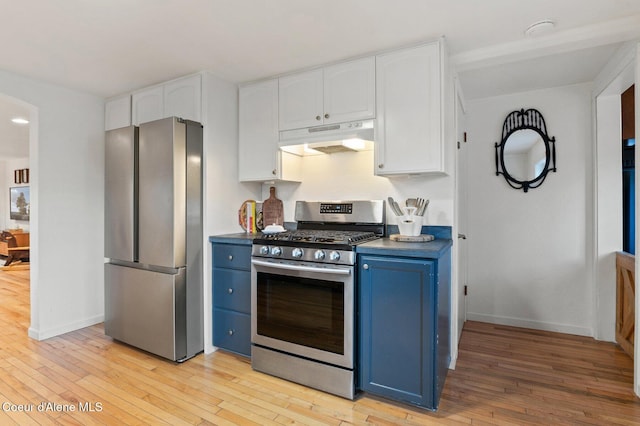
(397, 322)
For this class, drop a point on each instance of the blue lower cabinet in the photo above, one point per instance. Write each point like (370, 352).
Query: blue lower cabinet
(232, 297)
(398, 329)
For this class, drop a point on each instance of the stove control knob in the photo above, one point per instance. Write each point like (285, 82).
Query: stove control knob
(276, 251)
(318, 255)
(334, 256)
(264, 250)
(297, 252)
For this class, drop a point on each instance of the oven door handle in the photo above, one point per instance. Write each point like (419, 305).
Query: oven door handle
(301, 267)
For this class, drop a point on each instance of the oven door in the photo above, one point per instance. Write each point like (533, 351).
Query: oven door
(303, 309)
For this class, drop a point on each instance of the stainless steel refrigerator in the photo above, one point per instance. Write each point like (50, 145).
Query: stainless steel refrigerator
(153, 237)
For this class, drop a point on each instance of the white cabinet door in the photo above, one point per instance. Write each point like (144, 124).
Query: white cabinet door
(259, 156)
(408, 102)
(183, 98)
(300, 99)
(335, 94)
(258, 131)
(117, 113)
(148, 105)
(349, 91)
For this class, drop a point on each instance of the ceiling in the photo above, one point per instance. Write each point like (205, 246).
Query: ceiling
(110, 47)
(14, 138)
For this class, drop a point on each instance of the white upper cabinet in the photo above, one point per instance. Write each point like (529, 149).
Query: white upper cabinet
(301, 102)
(117, 112)
(180, 98)
(334, 94)
(183, 98)
(259, 158)
(349, 91)
(409, 110)
(147, 105)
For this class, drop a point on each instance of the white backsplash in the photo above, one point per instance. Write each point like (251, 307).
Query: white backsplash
(349, 176)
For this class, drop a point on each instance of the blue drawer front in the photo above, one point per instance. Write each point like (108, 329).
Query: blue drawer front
(232, 256)
(232, 331)
(232, 290)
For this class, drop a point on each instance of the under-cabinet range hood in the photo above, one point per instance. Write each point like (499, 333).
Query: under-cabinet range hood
(329, 138)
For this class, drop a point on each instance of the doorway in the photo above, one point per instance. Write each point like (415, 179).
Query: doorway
(16, 178)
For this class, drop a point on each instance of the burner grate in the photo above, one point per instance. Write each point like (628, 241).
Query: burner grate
(322, 236)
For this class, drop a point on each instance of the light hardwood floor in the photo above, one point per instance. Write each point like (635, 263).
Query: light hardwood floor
(504, 376)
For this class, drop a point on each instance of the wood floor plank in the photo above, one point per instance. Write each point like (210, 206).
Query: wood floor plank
(504, 376)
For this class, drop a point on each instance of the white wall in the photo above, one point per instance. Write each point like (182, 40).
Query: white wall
(224, 194)
(66, 178)
(349, 176)
(529, 253)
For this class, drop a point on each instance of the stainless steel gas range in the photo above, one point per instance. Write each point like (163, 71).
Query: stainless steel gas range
(303, 294)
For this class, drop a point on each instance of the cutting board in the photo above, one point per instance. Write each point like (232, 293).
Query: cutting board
(422, 238)
(272, 210)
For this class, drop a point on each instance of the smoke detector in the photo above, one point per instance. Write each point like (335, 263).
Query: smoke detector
(540, 27)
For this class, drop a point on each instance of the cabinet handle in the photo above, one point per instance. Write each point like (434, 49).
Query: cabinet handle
(365, 266)
(230, 257)
(230, 332)
(273, 172)
(381, 166)
(318, 117)
(326, 115)
(230, 290)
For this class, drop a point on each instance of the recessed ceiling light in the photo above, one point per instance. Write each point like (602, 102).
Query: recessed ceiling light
(20, 120)
(540, 27)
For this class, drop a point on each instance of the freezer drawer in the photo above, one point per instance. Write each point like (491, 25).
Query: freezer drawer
(147, 309)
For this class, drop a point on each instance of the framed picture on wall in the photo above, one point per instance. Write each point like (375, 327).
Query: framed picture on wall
(20, 203)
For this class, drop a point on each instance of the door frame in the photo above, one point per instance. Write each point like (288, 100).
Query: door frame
(622, 71)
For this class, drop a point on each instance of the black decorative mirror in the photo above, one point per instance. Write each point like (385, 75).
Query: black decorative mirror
(526, 153)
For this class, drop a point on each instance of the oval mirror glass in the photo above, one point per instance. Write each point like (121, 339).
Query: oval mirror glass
(525, 155)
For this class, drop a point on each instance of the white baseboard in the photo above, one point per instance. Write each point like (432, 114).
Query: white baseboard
(526, 323)
(452, 363)
(66, 328)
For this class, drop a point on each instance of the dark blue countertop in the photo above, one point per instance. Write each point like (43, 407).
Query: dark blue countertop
(238, 238)
(385, 247)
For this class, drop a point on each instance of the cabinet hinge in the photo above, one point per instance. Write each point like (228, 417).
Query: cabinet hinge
(465, 290)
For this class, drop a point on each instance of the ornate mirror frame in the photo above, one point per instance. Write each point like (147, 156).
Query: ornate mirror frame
(521, 120)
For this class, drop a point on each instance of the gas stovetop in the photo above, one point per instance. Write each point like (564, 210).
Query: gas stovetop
(311, 245)
(327, 232)
(310, 236)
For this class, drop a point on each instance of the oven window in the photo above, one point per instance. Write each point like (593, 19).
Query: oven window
(303, 311)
